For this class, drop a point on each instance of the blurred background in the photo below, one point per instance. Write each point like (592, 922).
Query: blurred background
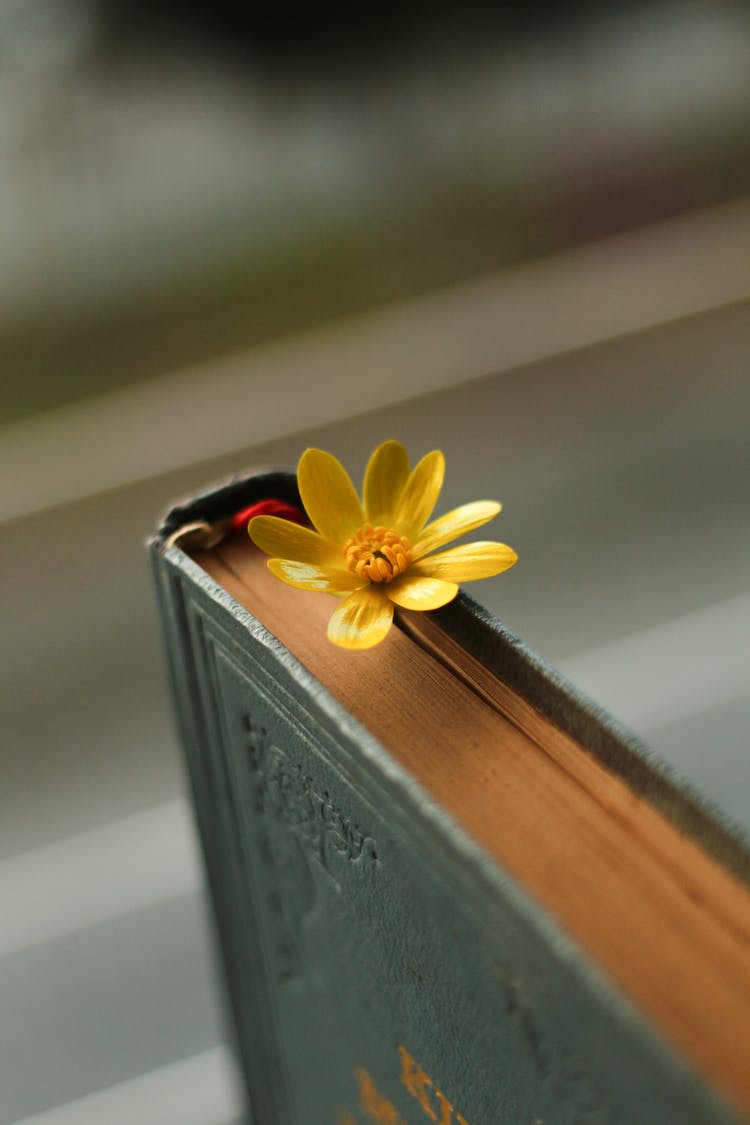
(228, 232)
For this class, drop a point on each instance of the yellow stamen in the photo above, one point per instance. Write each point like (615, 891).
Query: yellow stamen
(377, 554)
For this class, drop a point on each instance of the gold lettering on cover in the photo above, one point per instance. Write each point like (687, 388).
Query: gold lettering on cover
(373, 1103)
(447, 1111)
(421, 1087)
(416, 1082)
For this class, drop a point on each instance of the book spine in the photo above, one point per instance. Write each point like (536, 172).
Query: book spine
(236, 928)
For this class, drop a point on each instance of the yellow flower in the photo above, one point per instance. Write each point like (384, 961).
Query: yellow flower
(378, 552)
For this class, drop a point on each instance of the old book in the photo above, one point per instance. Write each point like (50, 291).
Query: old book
(447, 888)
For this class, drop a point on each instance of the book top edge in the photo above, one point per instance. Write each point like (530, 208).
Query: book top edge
(506, 656)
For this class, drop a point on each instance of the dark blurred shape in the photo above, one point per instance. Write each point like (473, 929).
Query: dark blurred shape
(286, 30)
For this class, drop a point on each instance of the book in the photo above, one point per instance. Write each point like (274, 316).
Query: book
(447, 888)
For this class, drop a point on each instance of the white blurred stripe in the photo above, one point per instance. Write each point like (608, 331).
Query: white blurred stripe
(98, 875)
(479, 328)
(201, 1090)
(672, 671)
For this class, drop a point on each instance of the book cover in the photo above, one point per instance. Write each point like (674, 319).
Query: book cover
(381, 964)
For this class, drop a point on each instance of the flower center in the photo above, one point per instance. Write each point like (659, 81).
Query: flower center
(377, 554)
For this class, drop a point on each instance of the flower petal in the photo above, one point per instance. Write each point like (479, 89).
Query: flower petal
(362, 620)
(385, 476)
(412, 592)
(306, 576)
(420, 495)
(464, 564)
(282, 539)
(458, 522)
(329, 496)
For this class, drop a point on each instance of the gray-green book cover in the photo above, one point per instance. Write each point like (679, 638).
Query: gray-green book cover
(380, 965)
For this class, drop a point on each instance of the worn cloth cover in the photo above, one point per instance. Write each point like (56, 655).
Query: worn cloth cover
(379, 965)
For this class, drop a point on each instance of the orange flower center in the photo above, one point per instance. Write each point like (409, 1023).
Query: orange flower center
(376, 554)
